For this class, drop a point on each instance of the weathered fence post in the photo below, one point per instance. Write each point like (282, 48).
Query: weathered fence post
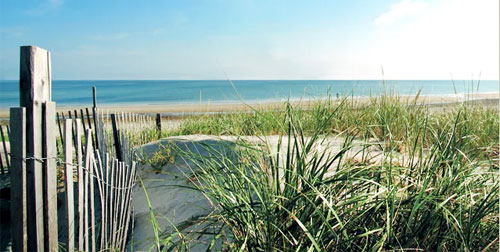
(158, 124)
(18, 180)
(35, 89)
(116, 137)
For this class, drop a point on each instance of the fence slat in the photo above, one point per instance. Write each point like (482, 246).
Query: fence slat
(96, 128)
(116, 137)
(18, 180)
(60, 129)
(128, 209)
(35, 180)
(88, 159)
(90, 170)
(81, 219)
(158, 124)
(68, 175)
(124, 201)
(1, 165)
(98, 168)
(94, 134)
(83, 120)
(112, 203)
(107, 197)
(4, 148)
(50, 175)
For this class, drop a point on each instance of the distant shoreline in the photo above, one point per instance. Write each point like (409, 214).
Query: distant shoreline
(206, 107)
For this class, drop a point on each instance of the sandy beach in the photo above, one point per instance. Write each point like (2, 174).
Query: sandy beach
(487, 98)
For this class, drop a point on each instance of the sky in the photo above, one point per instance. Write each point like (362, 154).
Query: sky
(247, 39)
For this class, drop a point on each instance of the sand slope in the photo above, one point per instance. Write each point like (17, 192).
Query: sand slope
(174, 205)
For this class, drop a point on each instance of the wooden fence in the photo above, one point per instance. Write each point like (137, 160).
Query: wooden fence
(133, 129)
(96, 185)
(4, 155)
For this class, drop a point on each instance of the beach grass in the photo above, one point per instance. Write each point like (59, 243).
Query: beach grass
(396, 121)
(442, 196)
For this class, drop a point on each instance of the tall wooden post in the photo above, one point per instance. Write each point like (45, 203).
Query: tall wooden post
(35, 89)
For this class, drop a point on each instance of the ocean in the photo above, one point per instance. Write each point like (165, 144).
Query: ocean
(164, 92)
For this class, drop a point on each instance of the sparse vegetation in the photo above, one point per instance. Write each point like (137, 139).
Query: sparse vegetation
(163, 156)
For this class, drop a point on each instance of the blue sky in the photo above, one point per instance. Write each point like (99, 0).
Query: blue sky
(220, 39)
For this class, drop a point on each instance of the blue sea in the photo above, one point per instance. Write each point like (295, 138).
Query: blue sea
(156, 92)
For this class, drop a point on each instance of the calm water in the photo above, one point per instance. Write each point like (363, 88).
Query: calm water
(121, 92)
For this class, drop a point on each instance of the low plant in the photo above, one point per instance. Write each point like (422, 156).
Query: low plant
(161, 157)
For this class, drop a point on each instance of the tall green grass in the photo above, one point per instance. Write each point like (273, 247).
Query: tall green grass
(297, 197)
(397, 121)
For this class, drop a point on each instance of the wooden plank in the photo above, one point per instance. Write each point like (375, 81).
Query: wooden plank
(132, 182)
(81, 188)
(128, 210)
(49, 175)
(83, 120)
(124, 202)
(68, 177)
(94, 96)
(116, 137)
(19, 219)
(118, 198)
(94, 134)
(90, 170)
(88, 162)
(35, 180)
(73, 129)
(95, 115)
(4, 148)
(98, 168)
(35, 88)
(111, 204)
(107, 194)
(60, 129)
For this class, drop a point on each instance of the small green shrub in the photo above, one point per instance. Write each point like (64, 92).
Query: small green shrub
(163, 156)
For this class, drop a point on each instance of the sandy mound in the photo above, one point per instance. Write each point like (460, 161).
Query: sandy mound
(175, 205)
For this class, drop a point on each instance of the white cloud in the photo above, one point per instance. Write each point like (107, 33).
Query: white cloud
(400, 10)
(454, 38)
